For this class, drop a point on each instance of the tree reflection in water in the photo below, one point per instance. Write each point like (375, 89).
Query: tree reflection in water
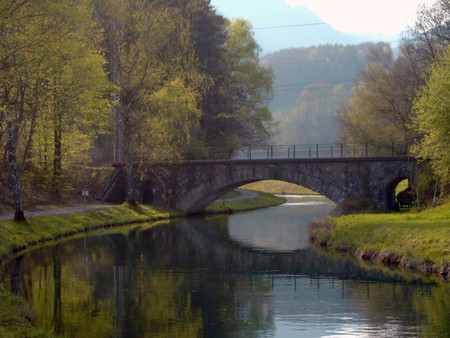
(190, 279)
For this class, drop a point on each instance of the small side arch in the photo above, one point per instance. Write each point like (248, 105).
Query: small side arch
(391, 189)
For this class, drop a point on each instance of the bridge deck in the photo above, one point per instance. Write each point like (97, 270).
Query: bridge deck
(295, 160)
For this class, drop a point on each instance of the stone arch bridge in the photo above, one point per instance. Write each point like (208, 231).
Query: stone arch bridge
(192, 185)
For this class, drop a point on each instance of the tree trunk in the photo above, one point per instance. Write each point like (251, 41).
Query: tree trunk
(3, 159)
(15, 183)
(57, 154)
(131, 193)
(28, 145)
(3, 162)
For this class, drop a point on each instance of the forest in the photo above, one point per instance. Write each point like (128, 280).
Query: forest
(89, 83)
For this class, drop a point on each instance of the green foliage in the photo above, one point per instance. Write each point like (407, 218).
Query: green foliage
(250, 84)
(240, 115)
(53, 78)
(425, 187)
(433, 120)
(167, 130)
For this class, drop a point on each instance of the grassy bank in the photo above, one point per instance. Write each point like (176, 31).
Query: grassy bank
(279, 187)
(416, 241)
(16, 236)
(262, 200)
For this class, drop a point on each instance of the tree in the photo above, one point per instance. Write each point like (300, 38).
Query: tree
(159, 79)
(17, 44)
(79, 89)
(15, 182)
(241, 116)
(432, 119)
(380, 108)
(429, 35)
(52, 79)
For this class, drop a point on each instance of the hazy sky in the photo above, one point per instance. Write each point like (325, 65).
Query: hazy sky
(383, 17)
(387, 17)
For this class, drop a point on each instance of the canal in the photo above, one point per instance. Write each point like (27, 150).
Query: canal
(252, 274)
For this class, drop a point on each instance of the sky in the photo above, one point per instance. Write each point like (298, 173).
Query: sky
(385, 17)
(380, 19)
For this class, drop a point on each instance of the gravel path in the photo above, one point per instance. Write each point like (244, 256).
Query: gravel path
(243, 195)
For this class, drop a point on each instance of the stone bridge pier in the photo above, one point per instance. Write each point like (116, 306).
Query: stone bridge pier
(191, 186)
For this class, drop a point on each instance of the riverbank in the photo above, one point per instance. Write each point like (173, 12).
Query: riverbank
(47, 225)
(414, 241)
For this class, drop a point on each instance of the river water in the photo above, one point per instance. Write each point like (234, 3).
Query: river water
(252, 274)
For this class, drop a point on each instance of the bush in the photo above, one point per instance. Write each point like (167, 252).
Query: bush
(354, 206)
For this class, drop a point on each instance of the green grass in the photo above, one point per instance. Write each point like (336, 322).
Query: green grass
(415, 240)
(279, 187)
(263, 200)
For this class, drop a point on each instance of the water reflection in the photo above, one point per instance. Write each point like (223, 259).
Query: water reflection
(194, 278)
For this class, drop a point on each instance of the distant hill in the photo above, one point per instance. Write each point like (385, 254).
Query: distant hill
(310, 86)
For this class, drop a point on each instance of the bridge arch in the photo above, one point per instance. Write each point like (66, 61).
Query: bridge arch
(208, 191)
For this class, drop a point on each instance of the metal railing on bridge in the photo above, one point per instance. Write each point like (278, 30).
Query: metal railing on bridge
(303, 151)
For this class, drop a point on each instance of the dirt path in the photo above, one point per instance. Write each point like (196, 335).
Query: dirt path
(57, 210)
